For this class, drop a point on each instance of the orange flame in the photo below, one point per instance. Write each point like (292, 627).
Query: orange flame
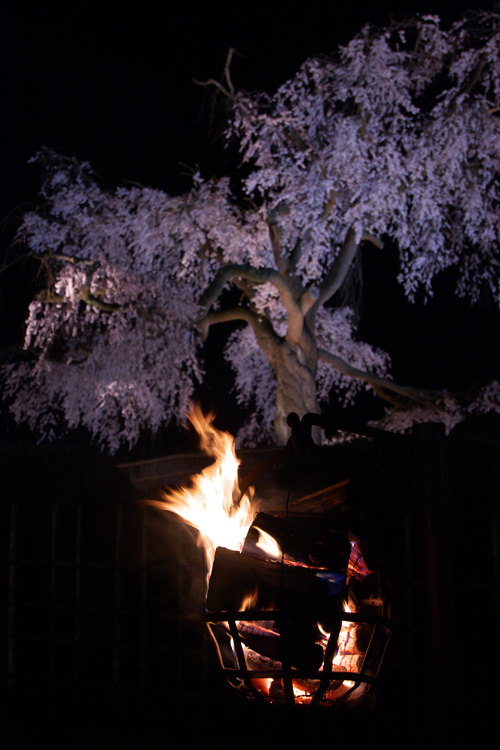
(211, 504)
(250, 600)
(268, 544)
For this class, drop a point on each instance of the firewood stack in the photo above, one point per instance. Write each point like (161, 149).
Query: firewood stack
(305, 625)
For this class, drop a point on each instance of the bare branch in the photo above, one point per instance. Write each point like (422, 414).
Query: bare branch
(229, 91)
(212, 82)
(226, 316)
(368, 237)
(227, 70)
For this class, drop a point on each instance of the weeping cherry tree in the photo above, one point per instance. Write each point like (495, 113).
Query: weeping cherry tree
(394, 139)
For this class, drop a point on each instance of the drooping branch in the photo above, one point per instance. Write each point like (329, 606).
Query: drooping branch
(264, 333)
(85, 293)
(85, 296)
(387, 389)
(340, 267)
(225, 316)
(93, 301)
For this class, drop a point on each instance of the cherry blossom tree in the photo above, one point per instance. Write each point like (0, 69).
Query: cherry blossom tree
(396, 138)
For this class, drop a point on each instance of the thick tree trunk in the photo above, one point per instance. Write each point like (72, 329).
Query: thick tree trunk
(296, 388)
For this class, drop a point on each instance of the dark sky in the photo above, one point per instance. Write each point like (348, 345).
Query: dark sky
(114, 86)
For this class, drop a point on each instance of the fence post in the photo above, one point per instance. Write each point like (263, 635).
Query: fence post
(12, 600)
(434, 519)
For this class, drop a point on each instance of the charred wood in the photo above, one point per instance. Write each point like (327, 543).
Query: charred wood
(333, 498)
(303, 655)
(315, 541)
(238, 577)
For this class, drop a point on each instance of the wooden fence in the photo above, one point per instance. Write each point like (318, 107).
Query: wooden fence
(110, 617)
(174, 470)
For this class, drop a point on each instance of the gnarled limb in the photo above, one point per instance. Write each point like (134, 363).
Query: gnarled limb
(256, 275)
(262, 329)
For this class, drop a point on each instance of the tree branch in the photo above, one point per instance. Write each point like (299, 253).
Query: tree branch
(295, 256)
(340, 267)
(89, 299)
(73, 259)
(229, 91)
(256, 275)
(384, 387)
(264, 332)
(309, 299)
(85, 293)
(276, 244)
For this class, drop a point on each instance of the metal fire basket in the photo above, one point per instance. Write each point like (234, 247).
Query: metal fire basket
(289, 686)
(353, 645)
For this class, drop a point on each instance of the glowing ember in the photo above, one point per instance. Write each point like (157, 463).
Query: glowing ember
(263, 684)
(209, 504)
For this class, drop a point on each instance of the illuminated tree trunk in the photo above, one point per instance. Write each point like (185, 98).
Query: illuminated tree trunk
(296, 387)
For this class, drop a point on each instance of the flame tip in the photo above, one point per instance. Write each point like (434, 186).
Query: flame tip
(212, 501)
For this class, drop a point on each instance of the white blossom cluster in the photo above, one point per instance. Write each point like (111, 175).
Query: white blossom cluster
(111, 342)
(398, 138)
(255, 386)
(400, 135)
(447, 411)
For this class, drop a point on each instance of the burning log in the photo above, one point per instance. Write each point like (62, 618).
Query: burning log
(298, 599)
(238, 577)
(312, 540)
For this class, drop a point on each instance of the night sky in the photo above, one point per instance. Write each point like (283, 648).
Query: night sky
(114, 86)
